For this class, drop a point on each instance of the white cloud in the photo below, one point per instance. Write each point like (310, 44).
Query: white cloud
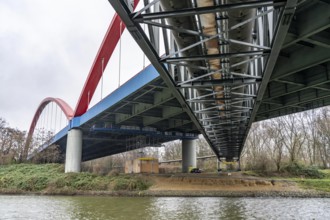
(47, 49)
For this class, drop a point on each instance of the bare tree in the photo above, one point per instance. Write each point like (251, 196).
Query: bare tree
(255, 150)
(312, 134)
(172, 151)
(275, 145)
(7, 154)
(11, 143)
(293, 134)
(203, 148)
(323, 128)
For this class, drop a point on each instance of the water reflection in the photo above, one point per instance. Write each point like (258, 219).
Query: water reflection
(109, 208)
(42, 207)
(232, 208)
(33, 207)
(197, 208)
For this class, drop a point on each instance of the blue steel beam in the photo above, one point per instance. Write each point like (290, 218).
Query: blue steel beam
(97, 140)
(141, 79)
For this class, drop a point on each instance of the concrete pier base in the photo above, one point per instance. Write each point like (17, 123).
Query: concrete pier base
(218, 165)
(188, 155)
(239, 166)
(73, 151)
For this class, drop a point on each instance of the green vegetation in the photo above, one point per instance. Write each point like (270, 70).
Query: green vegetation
(50, 178)
(326, 173)
(310, 177)
(251, 173)
(317, 184)
(299, 170)
(128, 183)
(292, 170)
(306, 177)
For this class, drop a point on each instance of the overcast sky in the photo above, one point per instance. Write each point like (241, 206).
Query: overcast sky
(46, 50)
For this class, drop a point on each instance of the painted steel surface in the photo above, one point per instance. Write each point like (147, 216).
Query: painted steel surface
(107, 47)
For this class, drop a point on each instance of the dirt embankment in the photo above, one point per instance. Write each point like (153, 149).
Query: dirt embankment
(226, 185)
(50, 179)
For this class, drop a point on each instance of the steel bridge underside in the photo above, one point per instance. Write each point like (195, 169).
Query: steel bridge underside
(176, 99)
(301, 77)
(142, 112)
(230, 63)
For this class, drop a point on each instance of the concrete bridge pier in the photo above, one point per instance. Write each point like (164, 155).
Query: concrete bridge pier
(73, 151)
(188, 155)
(218, 164)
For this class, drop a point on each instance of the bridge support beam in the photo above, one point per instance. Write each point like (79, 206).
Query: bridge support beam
(73, 151)
(188, 155)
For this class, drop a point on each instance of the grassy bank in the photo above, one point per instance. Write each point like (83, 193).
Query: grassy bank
(320, 181)
(317, 184)
(51, 179)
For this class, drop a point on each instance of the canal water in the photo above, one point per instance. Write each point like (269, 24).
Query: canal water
(90, 207)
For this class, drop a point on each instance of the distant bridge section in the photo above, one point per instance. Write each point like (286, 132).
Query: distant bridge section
(142, 112)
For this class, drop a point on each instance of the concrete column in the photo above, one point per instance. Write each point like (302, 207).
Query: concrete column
(188, 155)
(218, 165)
(73, 151)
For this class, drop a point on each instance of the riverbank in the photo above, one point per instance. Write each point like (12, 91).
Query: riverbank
(50, 179)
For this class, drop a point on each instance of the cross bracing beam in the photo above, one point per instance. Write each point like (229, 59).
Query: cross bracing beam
(220, 34)
(225, 134)
(137, 99)
(278, 40)
(227, 127)
(301, 99)
(219, 82)
(167, 112)
(309, 23)
(174, 123)
(321, 39)
(315, 77)
(289, 82)
(215, 56)
(187, 32)
(300, 60)
(290, 110)
(139, 108)
(223, 118)
(142, 40)
(192, 77)
(234, 137)
(206, 10)
(220, 99)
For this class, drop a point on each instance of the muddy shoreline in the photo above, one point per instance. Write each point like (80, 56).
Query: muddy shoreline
(186, 193)
(50, 179)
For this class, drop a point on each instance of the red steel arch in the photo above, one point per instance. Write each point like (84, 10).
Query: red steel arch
(101, 60)
(67, 110)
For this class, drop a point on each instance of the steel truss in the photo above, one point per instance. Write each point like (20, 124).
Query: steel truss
(218, 58)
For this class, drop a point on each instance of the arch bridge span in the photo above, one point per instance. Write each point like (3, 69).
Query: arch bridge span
(227, 63)
(65, 107)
